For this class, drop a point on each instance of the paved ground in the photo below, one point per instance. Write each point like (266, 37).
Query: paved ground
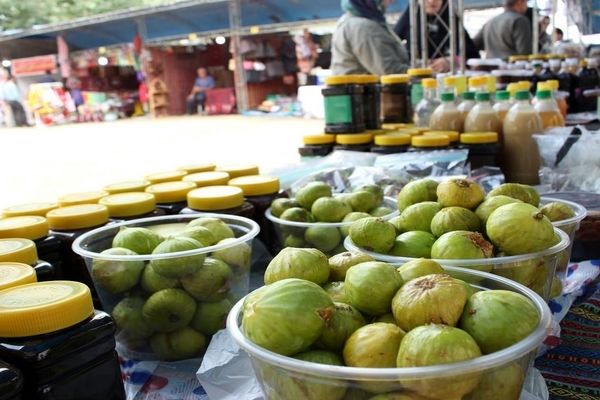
(40, 164)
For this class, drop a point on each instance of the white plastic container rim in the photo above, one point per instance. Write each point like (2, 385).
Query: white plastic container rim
(245, 224)
(495, 261)
(489, 361)
(580, 211)
(387, 201)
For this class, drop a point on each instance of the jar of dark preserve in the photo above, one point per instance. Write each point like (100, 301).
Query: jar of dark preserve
(20, 210)
(132, 205)
(171, 196)
(69, 223)
(35, 228)
(237, 170)
(317, 145)
(64, 348)
(126, 186)
(395, 99)
(260, 191)
(483, 147)
(221, 199)
(354, 142)
(15, 274)
(211, 178)
(162, 177)
(23, 251)
(371, 100)
(429, 143)
(344, 107)
(391, 143)
(11, 382)
(416, 76)
(74, 199)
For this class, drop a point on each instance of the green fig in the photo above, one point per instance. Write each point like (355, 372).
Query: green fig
(210, 317)
(340, 263)
(329, 209)
(117, 276)
(416, 192)
(344, 321)
(413, 244)
(557, 211)
(373, 346)
(312, 191)
(219, 229)
(336, 291)
(460, 193)
(373, 234)
(177, 267)
(490, 204)
(370, 287)
(323, 238)
(454, 219)
(278, 206)
(308, 264)
(419, 267)
(138, 240)
(418, 216)
(210, 283)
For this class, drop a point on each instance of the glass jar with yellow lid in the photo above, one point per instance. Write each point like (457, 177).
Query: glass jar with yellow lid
(171, 196)
(453, 136)
(126, 186)
(371, 100)
(353, 142)
(15, 274)
(416, 75)
(221, 199)
(195, 168)
(396, 126)
(23, 251)
(131, 205)
(35, 228)
(18, 210)
(391, 143)
(237, 170)
(484, 148)
(11, 382)
(429, 143)
(395, 107)
(64, 348)
(68, 223)
(73, 199)
(316, 145)
(167, 176)
(209, 178)
(343, 103)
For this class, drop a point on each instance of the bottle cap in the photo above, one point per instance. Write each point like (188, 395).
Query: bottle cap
(211, 178)
(213, 198)
(29, 227)
(239, 170)
(168, 176)
(318, 139)
(171, 192)
(502, 95)
(194, 168)
(447, 97)
(354, 138)
(395, 78)
(256, 185)
(482, 96)
(127, 186)
(18, 250)
(73, 199)
(15, 274)
(479, 137)
(39, 209)
(129, 204)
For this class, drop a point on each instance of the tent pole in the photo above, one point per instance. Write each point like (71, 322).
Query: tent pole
(452, 17)
(424, 35)
(461, 37)
(241, 88)
(535, 29)
(413, 33)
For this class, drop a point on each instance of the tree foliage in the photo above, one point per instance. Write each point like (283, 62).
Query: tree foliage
(22, 14)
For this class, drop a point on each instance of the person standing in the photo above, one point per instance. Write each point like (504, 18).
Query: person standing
(507, 34)
(10, 96)
(363, 43)
(197, 96)
(438, 28)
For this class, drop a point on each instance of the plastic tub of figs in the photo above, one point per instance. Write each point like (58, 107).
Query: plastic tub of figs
(483, 352)
(170, 281)
(317, 218)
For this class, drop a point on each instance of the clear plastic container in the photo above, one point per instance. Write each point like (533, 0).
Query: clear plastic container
(284, 377)
(291, 233)
(428, 103)
(502, 104)
(446, 116)
(236, 253)
(467, 103)
(543, 262)
(483, 117)
(548, 110)
(520, 154)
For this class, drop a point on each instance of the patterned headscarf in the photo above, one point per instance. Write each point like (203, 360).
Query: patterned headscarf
(370, 9)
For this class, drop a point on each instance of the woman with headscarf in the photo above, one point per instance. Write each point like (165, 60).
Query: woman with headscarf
(363, 43)
(438, 28)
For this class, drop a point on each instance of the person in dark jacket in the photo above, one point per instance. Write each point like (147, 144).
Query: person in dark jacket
(438, 25)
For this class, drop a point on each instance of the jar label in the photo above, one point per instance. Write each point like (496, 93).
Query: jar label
(416, 93)
(338, 109)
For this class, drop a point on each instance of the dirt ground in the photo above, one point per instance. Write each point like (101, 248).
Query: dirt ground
(42, 163)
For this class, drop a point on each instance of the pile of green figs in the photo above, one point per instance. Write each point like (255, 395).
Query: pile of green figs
(315, 203)
(349, 310)
(172, 306)
(455, 219)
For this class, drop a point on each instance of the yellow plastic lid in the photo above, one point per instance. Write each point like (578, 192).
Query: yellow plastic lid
(449, 81)
(479, 137)
(477, 81)
(128, 186)
(512, 59)
(15, 274)
(171, 192)
(376, 132)
(212, 198)
(419, 71)
(129, 204)
(354, 138)
(28, 227)
(523, 85)
(430, 141)
(396, 126)
(543, 86)
(452, 135)
(552, 84)
(395, 78)
(39, 209)
(239, 170)
(256, 185)
(318, 139)
(73, 199)
(212, 178)
(77, 217)
(411, 131)
(194, 168)
(392, 139)
(168, 176)
(429, 83)
(367, 79)
(341, 80)
(43, 307)
(18, 250)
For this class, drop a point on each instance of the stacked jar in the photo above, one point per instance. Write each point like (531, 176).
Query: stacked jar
(23, 251)
(316, 145)
(171, 196)
(484, 148)
(391, 143)
(131, 205)
(353, 142)
(395, 100)
(220, 199)
(343, 102)
(371, 101)
(428, 143)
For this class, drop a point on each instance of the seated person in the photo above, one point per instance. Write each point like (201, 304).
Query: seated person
(197, 97)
